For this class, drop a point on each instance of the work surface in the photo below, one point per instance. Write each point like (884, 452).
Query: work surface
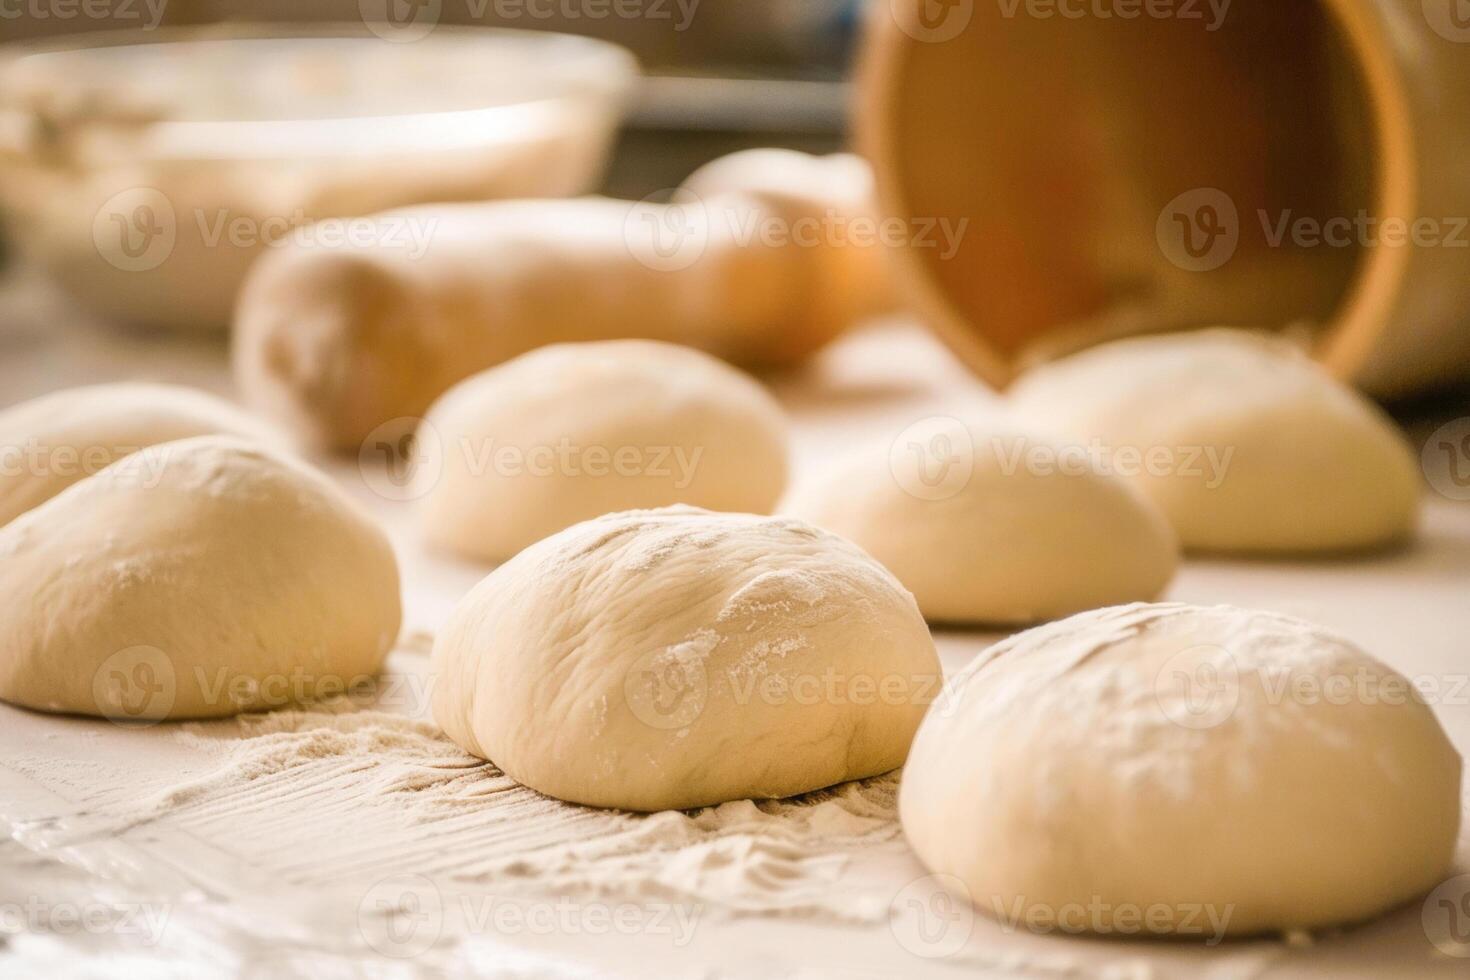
(314, 843)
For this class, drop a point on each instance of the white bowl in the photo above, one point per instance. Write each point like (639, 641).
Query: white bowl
(146, 172)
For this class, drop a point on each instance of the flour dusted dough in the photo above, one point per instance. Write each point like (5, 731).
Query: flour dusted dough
(676, 658)
(51, 442)
(193, 579)
(1312, 465)
(1184, 756)
(572, 431)
(1019, 536)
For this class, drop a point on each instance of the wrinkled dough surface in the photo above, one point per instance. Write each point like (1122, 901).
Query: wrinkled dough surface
(193, 579)
(1248, 767)
(51, 442)
(676, 658)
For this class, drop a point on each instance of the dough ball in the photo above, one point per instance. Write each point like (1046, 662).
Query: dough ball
(676, 658)
(987, 524)
(780, 177)
(1243, 771)
(1247, 445)
(51, 442)
(572, 431)
(194, 579)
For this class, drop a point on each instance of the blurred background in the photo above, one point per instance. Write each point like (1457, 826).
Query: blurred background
(720, 75)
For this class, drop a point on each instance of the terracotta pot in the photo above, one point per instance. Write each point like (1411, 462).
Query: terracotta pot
(1134, 165)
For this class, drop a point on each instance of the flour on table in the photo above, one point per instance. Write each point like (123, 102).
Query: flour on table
(323, 797)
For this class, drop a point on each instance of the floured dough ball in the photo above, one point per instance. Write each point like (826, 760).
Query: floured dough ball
(51, 442)
(572, 431)
(1233, 771)
(194, 579)
(987, 524)
(1247, 445)
(675, 658)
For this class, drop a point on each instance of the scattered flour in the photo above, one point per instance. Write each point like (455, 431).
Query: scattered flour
(338, 796)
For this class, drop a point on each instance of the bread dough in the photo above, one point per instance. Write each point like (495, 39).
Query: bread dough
(571, 431)
(1255, 448)
(193, 579)
(1246, 771)
(985, 523)
(676, 658)
(51, 442)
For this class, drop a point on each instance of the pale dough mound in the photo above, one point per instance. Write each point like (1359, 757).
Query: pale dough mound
(572, 431)
(193, 579)
(995, 528)
(675, 658)
(1284, 458)
(1246, 771)
(51, 442)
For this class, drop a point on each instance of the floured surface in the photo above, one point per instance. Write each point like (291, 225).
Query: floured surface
(272, 791)
(283, 866)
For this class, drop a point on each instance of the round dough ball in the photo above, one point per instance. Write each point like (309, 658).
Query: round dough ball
(51, 442)
(1245, 771)
(995, 528)
(572, 431)
(676, 658)
(194, 579)
(1255, 448)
